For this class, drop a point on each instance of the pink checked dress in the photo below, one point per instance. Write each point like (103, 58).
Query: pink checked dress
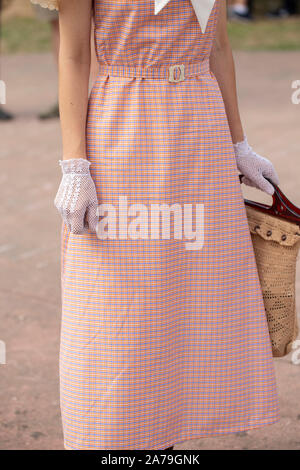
(160, 343)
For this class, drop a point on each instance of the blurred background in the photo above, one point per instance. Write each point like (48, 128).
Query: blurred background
(265, 37)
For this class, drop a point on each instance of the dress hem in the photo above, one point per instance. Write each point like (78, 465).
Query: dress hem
(187, 437)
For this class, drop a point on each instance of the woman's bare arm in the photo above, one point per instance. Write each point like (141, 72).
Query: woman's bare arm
(254, 167)
(74, 73)
(222, 66)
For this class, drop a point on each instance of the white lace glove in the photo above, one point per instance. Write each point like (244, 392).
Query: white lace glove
(77, 197)
(254, 167)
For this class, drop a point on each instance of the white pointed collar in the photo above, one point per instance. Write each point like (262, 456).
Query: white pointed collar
(203, 9)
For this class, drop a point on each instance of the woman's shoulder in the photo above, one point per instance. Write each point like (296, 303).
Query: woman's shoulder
(51, 4)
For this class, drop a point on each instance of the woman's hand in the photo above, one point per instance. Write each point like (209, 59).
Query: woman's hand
(77, 197)
(254, 167)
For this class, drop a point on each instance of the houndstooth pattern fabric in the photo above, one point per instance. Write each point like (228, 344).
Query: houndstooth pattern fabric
(160, 344)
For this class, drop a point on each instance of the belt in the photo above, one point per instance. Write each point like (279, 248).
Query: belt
(173, 73)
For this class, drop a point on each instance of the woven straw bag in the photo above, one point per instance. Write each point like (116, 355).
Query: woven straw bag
(275, 234)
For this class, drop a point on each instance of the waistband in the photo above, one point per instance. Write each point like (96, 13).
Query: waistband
(172, 73)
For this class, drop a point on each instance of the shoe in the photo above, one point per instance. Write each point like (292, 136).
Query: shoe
(5, 115)
(279, 13)
(239, 15)
(52, 113)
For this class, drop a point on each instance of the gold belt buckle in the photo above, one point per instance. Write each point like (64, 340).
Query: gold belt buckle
(172, 70)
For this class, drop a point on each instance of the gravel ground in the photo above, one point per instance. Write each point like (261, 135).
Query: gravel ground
(29, 244)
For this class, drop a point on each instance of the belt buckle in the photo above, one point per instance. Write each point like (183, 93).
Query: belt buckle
(181, 76)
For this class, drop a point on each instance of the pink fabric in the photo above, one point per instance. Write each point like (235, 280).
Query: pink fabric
(161, 344)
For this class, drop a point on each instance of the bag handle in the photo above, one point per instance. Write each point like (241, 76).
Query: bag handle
(282, 207)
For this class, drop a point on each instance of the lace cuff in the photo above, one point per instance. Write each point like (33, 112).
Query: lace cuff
(242, 147)
(51, 4)
(75, 165)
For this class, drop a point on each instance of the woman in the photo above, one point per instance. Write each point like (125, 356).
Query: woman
(160, 343)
